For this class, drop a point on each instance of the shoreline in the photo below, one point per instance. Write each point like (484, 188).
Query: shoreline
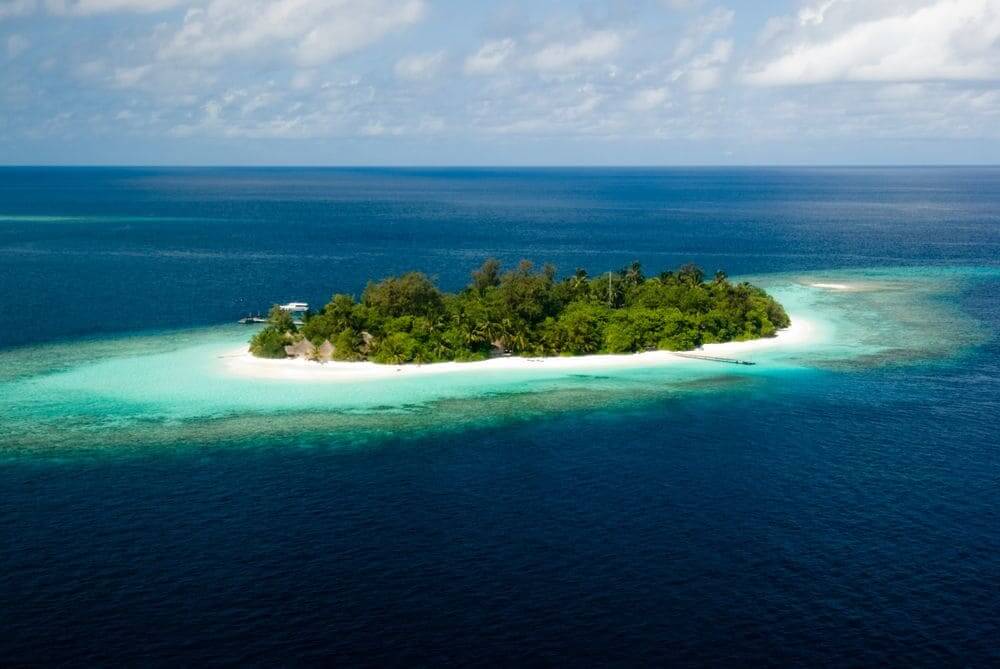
(242, 364)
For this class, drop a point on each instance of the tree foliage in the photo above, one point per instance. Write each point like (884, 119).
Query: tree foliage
(523, 311)
(280, 330)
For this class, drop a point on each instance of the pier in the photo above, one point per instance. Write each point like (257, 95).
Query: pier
(296, 309)
(713, 358)
(252, 320)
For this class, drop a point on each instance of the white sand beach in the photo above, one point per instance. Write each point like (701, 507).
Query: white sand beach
(241, 363)
(832, 286)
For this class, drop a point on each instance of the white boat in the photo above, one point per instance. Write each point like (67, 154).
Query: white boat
(295, 306)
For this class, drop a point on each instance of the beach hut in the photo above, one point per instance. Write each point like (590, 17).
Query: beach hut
(300, 349)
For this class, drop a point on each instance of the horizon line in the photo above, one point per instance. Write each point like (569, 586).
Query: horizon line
(486, 166)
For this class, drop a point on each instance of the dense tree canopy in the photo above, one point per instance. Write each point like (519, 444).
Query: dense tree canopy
(526, 312)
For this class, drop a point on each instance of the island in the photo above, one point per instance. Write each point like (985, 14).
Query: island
(524, 312)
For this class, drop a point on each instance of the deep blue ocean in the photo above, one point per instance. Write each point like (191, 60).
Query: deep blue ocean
(835, 518)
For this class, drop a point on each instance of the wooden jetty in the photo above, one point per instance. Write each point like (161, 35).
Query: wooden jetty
(253, 320)
(713, 358)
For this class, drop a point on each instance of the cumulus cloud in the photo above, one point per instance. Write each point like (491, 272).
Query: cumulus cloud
(419, 66)
(490, 57)
(130, 76)
(702, 53)
(681, 5)
(704, 72)
(594, 47)
(702, 29)
(85, 7)
(882, 41)
(16, 44)
(648, 98)
(311, 32)
(11, 8)
(325, 108)
(355, 69)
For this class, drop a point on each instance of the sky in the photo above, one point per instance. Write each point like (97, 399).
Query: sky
(540, 82)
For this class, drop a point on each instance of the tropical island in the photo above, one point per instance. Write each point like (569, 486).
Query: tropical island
(408, 319)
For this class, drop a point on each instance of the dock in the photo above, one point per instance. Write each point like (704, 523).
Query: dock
(253, 320)
(298, 311)
(713, 358)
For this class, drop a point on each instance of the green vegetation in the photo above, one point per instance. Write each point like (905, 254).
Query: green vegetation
(279, 332)
(526, 312)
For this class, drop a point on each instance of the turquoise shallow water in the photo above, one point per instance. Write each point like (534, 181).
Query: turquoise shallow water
(173, 387)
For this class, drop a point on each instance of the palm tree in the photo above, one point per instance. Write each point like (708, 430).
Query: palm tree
(633, 274)
(517, 340)
(393, 350)
(492, 328)
(441, 349)
(691, 273)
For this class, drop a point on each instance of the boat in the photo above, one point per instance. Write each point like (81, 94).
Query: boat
(294, 307)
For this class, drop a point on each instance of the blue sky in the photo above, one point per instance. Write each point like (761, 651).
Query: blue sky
(434, 82)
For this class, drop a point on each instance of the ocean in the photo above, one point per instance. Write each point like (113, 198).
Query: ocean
(838, 503)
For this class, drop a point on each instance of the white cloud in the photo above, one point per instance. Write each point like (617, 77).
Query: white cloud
(562, 55)
(430, 125)
(85, 7)
(705, 71)
(303, 79)
(814, 14)
(884, 41)
(334, 107)
(419, 66)
(16, 44)
(311, 32)
(648, 98)
(490, 57)
(90, 69)
(10, 8)
(558, 109)
(377, 129)
(682, 5)
(701, 54)
(427, 125)
(127, 77)
(700, 30)
(232, 114)
(269, 69)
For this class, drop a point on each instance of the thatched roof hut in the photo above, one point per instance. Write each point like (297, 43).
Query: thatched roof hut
(300, 349)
